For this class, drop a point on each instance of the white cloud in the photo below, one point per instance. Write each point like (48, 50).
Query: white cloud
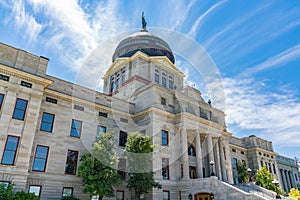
(283, 57)
(273, 115)
(201, 17)
(24, 22)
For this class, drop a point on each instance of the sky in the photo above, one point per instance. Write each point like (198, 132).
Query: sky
(254, 44)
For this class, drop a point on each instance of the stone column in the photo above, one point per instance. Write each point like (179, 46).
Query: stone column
(222, 159)
(285, 187)
(217, 158)
(228, 163)
(199, 155)
(185, 158)
(210, 151)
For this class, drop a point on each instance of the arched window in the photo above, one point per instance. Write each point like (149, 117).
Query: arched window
(191, 151)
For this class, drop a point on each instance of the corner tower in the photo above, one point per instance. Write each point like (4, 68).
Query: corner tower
(140, 60)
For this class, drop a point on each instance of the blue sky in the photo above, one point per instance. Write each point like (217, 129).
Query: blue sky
(254, 44)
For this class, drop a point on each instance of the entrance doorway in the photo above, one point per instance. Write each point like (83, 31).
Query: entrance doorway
(202, 196)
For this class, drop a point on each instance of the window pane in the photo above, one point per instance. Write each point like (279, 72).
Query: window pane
(75, 133)
(71, 164)
(12, 143)
(1, 99)
(21, 104)
(46, 127)
(67, 192)
(163, 81)
(8, 157)
(41, 152)
(35, 189)
(48, 117)
(18, 114)
(39, 164)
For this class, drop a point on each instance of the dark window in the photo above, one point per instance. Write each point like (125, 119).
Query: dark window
(122, 138)
(234, 163)
(261, 163)
(259, 153)
(203, 113)
(192, 170)
(102, 114)
(76, 107)
(163, 101)
(164, 138)
(272, 157)
(124, 120)
(120, 195)
(112, 86)
(40, 158)
(191, 151)
(166, 195)
(233, 150)
(118, 83)
(35, 189)
(47, 122)
(5, 183)
(170, 84)
(1, 100)
(4, 78)
(295, 175)
(274, 169)
(101, 129)
(122, 168)
(76, 128)
(51, 100)
(67, 191)
(242, 152)
(163, 81)
(20, 109)
(10, 150)
(71, 164)
(156, 78)
(165, 168)
(26, 84)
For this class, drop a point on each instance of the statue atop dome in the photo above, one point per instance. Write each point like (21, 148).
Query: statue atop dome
(144, 23)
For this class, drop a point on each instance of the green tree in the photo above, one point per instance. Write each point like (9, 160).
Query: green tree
(140, 149)
(243, 175)
(295, 193)
(6, 192)
(264, 179)
(97, 169)
(21, 195)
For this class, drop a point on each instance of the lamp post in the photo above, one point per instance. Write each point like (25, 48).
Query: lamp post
(275, 182)
(212, 163)
(249, 170)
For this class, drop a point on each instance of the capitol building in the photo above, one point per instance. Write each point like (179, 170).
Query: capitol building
(47, 123)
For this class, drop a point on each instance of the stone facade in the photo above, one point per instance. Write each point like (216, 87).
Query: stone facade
(44, 121)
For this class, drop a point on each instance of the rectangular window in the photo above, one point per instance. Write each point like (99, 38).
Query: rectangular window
(112, 86)
(47, 122)
(261, 163)
(274, 169)
(76, 128)
(26, 84)
(76, 107)
(166, 195)
(5, 183)
(122, 138)
(122, 168)
(10, 150)
(102, 114)
(164, 81)
(164, 138)
(234, 163)
(4, 78)
(51, 100)
(170, 84)
(1, 100)
(40, 158)
(20, 109)
(71, 164)
(67, 191)
(165, 168)
(124, 120)
(120, 195)
(163, 101)
(101, 129)
(156, 78)
(35, 189)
